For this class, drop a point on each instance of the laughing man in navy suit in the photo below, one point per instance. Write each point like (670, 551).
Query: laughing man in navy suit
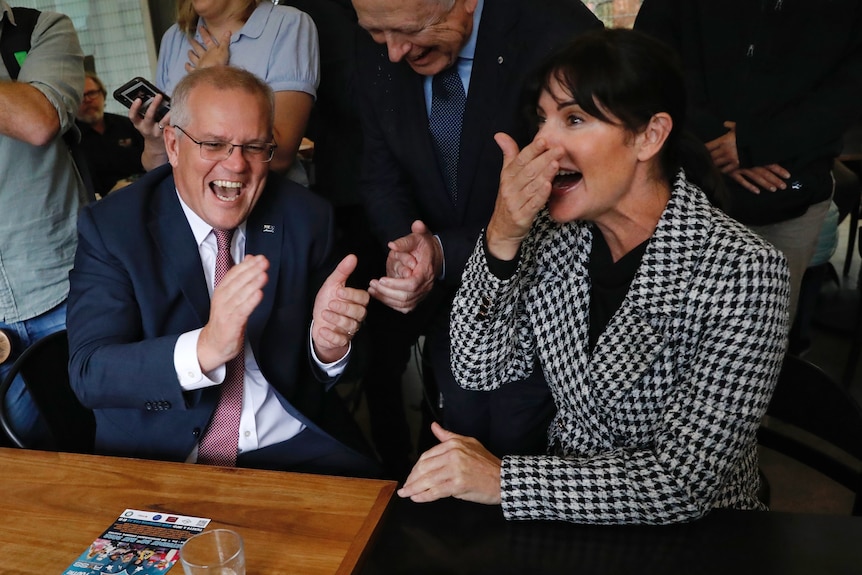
(151, 339)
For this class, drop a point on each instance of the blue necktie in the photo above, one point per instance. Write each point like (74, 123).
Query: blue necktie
(447, 112)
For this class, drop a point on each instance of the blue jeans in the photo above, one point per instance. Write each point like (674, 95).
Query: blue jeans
(23, 414)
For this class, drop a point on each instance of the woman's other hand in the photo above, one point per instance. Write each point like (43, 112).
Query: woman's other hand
(525, 185)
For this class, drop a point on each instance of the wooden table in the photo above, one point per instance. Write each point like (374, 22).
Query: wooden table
(55, 504)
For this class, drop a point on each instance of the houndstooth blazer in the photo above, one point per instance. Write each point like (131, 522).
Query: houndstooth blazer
(658, 423)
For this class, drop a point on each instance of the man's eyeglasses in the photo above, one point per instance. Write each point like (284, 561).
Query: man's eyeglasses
(92, 94)
(218, 151)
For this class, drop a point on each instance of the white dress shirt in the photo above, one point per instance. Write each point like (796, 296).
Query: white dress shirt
(264, 420)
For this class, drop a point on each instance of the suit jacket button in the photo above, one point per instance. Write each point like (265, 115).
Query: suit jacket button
(196, 432)
(149, 406)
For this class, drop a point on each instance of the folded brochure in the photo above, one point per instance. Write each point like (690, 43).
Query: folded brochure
(138, 543)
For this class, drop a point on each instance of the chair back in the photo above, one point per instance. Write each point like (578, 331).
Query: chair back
(808, 399)
(44, 367)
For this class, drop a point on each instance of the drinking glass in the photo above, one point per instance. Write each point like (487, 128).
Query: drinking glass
(216, 552)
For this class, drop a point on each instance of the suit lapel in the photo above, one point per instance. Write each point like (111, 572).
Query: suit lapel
(264, 236)
(494, 75)
(177, 247)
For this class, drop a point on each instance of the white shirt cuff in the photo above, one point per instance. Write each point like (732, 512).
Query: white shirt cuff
(187, 366)
(335, 368)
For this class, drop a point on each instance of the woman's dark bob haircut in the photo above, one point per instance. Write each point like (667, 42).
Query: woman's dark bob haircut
(622, 77)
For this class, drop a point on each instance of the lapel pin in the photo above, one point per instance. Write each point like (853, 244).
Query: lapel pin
(268, 229)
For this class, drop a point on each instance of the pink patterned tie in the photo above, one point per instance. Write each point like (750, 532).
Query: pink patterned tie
(218, 445)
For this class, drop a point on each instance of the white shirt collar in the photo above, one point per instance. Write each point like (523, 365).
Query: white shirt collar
(200, 228)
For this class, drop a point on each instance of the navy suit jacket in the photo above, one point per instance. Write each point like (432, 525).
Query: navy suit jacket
(138, 284)
(400, 179)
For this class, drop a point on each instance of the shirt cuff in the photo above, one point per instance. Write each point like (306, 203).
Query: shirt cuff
(187, 366)
(335, 368)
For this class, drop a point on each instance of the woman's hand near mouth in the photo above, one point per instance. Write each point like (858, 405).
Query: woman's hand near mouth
(525, 185)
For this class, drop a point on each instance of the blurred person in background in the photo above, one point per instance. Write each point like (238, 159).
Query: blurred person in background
(40, 190)
(110, 143)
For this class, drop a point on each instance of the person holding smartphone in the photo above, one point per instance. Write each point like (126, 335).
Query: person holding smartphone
(277, 43)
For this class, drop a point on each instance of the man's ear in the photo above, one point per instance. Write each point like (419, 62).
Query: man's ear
(172, 144)
(653, 137)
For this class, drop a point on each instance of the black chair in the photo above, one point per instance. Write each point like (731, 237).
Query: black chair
(44, 369)
(808, 399)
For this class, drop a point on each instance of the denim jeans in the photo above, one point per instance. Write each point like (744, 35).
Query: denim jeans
(23, 414)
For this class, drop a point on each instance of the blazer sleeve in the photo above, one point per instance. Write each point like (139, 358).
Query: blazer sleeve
(111, 364)
(491, 339)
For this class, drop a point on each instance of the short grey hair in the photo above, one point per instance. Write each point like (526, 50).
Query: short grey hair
(221, 78)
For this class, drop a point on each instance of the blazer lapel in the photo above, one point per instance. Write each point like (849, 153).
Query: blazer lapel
(177, 247)
(641, 327)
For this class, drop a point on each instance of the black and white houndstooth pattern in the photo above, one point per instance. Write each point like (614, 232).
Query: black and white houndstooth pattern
(658, 424)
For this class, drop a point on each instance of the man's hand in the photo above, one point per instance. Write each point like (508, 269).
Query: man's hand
(525, 185)
(338, 313)
(458, 467)
(723, 150)
(772, 178)
(413, 263)
(211, 53)
(237, 295)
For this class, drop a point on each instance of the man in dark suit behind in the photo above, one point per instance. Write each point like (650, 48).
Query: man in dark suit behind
(171, 344)
(430, 228)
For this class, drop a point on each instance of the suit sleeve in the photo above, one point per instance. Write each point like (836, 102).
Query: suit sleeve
(111, 365)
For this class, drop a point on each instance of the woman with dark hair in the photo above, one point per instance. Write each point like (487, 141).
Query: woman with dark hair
(659, 322)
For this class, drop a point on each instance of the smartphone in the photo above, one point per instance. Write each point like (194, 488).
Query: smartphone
(141, 88)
